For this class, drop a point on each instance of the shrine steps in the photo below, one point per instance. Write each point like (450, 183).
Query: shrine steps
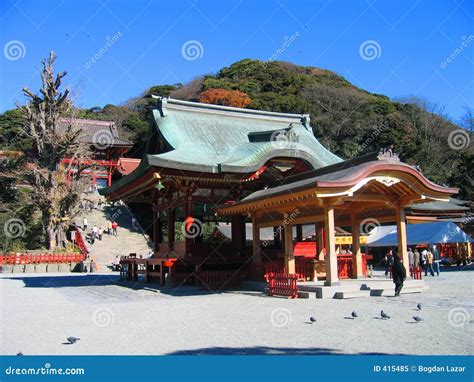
(360, 288)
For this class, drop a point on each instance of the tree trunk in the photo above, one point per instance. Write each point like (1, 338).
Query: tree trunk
(48, 228)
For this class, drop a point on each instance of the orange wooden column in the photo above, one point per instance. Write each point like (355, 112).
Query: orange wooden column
(402, 238)
(289, 257)
(356, 252)
(332, 277)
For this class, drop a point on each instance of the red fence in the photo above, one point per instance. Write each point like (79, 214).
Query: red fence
(281, 284)
(415, 273)
(220, 279)
(42, 258)
(278, 266)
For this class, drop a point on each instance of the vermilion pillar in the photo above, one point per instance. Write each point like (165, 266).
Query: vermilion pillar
(332, 277)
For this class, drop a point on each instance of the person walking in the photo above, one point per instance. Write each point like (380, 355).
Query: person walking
(411, 258)
(429, 263)
(436, 259)
(73, 237)
(417, 258)
(114, 228)
(423, 258)
(399, 274)
(95, 231)
(388, 261)
(84, 224)
(109, 228)
(100, 232)
(134, 224)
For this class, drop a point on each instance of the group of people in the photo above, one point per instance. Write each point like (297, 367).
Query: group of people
(97, 233)
(428, 259)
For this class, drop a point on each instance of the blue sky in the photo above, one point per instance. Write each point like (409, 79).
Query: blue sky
(408, 44)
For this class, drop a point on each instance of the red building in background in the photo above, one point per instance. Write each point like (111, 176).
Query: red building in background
(106, 145)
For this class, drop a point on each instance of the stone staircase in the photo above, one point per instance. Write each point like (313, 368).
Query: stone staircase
(360, 288)
(129, 239)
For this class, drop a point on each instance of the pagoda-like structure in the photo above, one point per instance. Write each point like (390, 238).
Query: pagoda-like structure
(106, 147)
(216, 163)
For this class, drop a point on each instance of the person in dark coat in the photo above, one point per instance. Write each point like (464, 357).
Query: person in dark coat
(399, 274)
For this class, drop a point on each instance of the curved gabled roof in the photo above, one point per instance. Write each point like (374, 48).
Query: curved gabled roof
(219, 138)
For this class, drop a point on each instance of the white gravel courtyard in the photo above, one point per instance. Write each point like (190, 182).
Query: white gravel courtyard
(38, 313)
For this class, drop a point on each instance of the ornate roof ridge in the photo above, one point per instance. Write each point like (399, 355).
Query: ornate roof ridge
(175, 104)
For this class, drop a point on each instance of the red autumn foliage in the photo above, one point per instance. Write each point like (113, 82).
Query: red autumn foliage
(225, 97)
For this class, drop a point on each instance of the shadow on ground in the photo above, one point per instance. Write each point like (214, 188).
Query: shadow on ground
(92, 279)
(66, 281)
(264, 350)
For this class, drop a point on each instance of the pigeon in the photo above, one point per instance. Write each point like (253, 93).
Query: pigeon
(354, 314)
(384, 315)
(72, 340)
(19, 353)
(312, 319)
(417, 319)
(419, 306)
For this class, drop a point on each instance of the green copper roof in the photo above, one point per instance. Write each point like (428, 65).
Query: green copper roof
(211, 138)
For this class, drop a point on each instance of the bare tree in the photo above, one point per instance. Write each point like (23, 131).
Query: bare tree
(40, 169)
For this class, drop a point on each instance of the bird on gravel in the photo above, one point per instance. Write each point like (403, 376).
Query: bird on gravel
(384, 315)
(417, 319)
(72, 340)
(354, 314)
(418, 306)
(312, 319)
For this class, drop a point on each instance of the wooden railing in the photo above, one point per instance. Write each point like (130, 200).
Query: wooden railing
(220, 279)
(281, 284)
(41, 258)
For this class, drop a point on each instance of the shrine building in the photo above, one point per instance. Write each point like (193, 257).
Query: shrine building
(223, 165)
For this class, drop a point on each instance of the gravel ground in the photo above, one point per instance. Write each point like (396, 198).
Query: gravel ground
(38, 312)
